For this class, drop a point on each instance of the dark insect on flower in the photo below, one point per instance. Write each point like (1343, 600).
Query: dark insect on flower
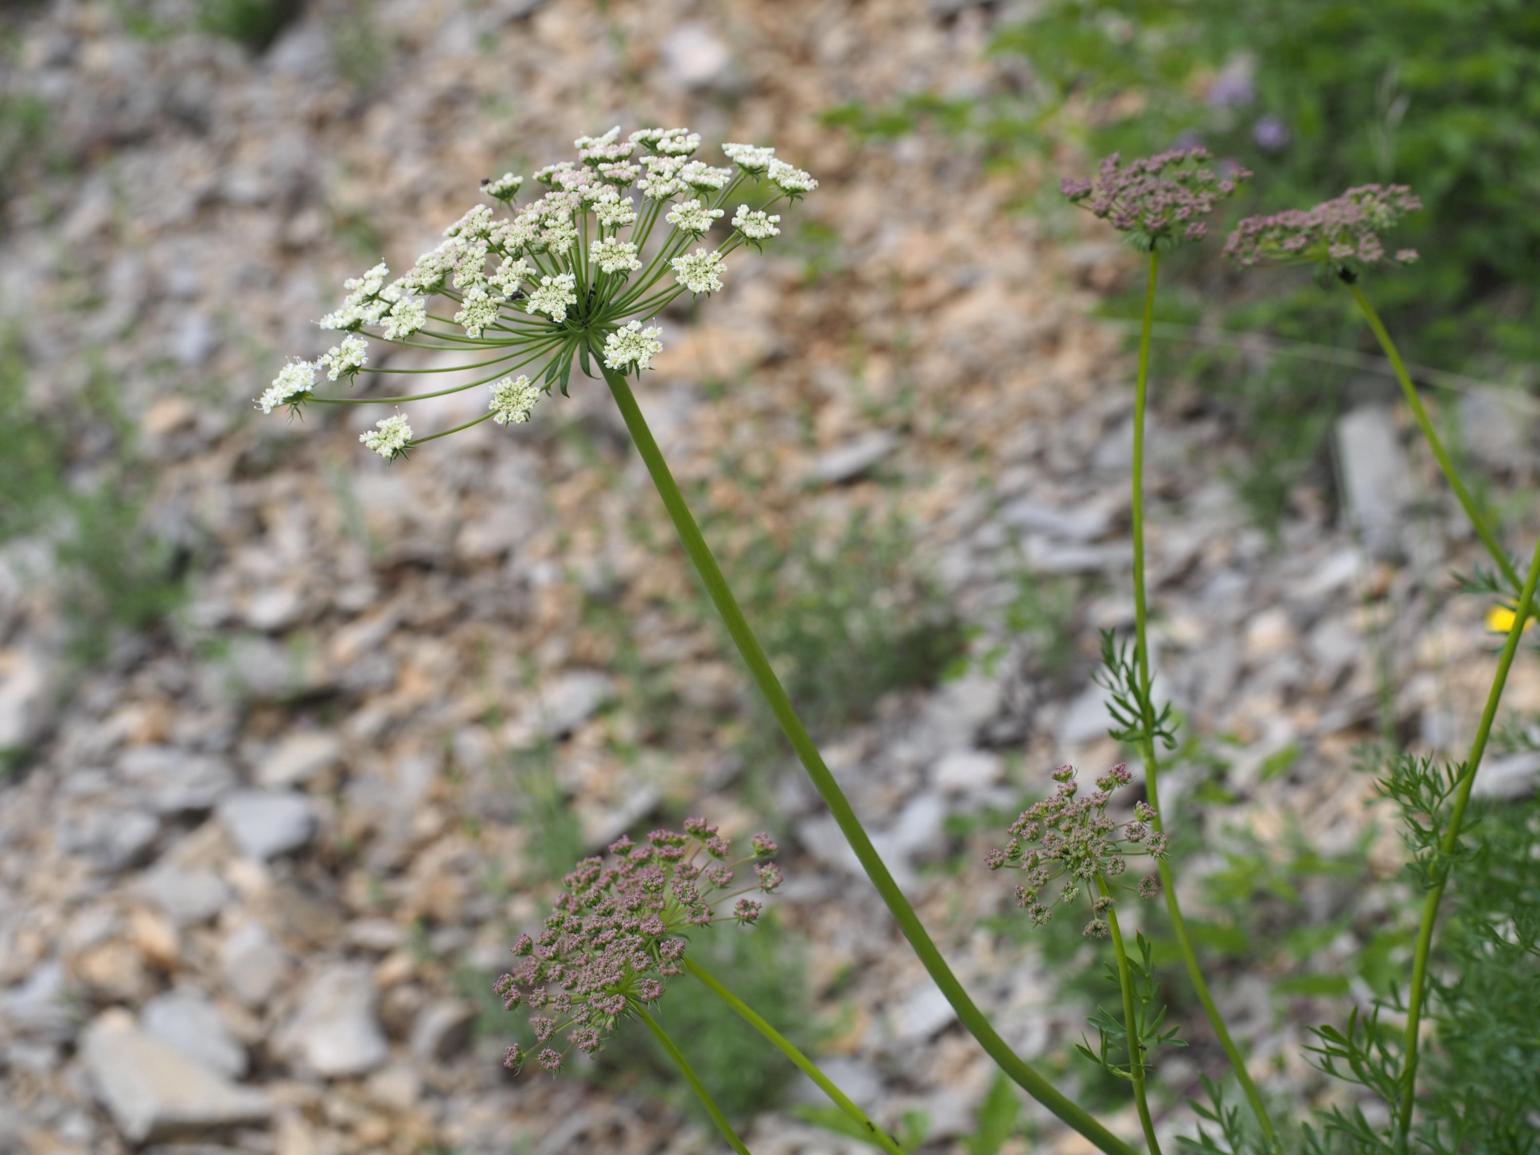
(1072, 838)
(1343, 235)
(1159, 201)
(620, 928)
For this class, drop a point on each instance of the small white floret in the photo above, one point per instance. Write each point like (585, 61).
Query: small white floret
(346, 358)
(513, 400)
(294, 379)
(390, 436)
(700, 271)
(631, 345)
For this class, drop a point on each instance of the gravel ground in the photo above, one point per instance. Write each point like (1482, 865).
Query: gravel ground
(255, 864)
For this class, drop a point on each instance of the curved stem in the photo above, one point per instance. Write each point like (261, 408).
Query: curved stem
(1446, 464)
(1147, 740)
(1447, 846)
(798, 1059)
(691, 1078)
(1130, 1023)
(1027, 1077)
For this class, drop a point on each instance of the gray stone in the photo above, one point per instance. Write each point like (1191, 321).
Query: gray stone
(26, 698)
(854, 459)
(695, 57)
(968, 771)
(1086, 720)
(1498, 428)
(152, 1091)
(1511, 776)
(919, 831)
(190, 1023)
(1375, 476)
(174, 781)
(443, 1030)
(189, 896)
(922, 1016)
(268, 823)
(299, 758)
(113, 840)
(334, 1032)
(252, 964)
(41, 1006)
(569, 700)
(1082, 522)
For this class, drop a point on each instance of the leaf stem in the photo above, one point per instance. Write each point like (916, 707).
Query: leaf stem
(1130, 1023)
(691, 1078)
(798, 1059)
(1447, 845)
(763, 674)
(1147, 740)
(1446, 464)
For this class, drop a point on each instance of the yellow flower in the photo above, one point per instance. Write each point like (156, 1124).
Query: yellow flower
(1500, 620)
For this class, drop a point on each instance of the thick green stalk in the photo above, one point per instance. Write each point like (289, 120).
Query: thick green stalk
(829, 790)
(691, 1078)
(798, 1059)
(1447, 846)
(1130, 1023)
(1467, 500)
(1147, 741)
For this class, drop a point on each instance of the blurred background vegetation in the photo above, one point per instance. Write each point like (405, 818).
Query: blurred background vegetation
(1314, 96)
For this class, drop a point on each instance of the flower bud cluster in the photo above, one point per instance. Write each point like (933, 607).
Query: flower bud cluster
(1342, 235)
(621, 927)
(1159, 201)
(570, 277)
(1072, 838)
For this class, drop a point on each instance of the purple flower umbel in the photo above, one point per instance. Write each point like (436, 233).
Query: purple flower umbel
(1065, 836)
(620, 928)
(1342, 235)
(1159, 201)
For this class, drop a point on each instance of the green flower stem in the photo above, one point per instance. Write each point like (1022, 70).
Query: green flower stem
(691, 1078)
(1447, 845)
(828, 788)
(1445, 463)
(798, 1059)
(1147, 741)
(1130, 1023)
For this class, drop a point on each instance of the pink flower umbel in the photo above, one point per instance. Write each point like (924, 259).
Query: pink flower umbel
(1159, 201)
(1343, 236)
(1069, 837)
(620, 928)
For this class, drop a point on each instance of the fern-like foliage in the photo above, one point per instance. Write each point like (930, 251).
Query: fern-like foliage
(1135, 714)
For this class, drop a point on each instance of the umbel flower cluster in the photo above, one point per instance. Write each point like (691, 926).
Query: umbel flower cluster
(575, 273)
(1342, 235)
(621, 927)
(1072, 838)
(1159, 201)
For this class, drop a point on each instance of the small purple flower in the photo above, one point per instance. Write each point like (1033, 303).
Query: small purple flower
(1159, 201)
(1072, 839)
(1343, 235)
(618, 930)
(1270, 134)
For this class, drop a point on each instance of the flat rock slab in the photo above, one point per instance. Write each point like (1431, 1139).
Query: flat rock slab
(153, 1091)
(334, 1032)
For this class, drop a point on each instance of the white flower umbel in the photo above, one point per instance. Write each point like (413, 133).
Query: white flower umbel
(345, 358)
(295, 379)
(614, 256)
(632, 346)
(554, 296)
(513, 400)
(561, 272)
(390, 436)
(693, 218)
(756, 224)
(700, 271)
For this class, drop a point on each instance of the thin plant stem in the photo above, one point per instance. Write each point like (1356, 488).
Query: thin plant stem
(1446, 848)
(763, 674)
(1446, 464)
(1130, 1021)
(1147, 738)
(798, 1059)
(691, 1078)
